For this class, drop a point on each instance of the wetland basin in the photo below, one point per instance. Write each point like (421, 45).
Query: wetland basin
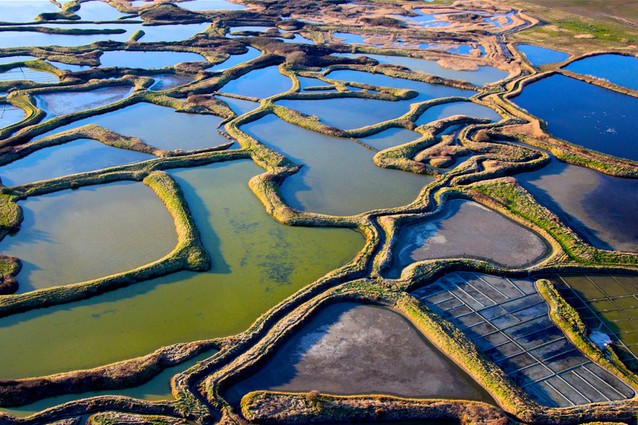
(169, 81)
(98, 11)
(618, 69)
(146, 60)
(26, 11)
(599, 207)
(78, 235)
(348, 113)
(259, 83)
(446, 110)
(426, 91)
(235, 60)
(157, 126)
(390, 138)
(338, 175)
(256, 263)
(469, 230)
(24, 73)
(349, 348)
(483, 75)
(62, 103)
(157, 389)
(607, 304)
(10, 115)
(584, 114)
(539, 56)
(77, 156)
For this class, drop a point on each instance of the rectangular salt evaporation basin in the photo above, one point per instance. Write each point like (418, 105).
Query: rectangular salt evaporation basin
(203, 5)
(77, 235)
(508, 321)
(158, 126)
(256, 263)
(338, 175)
(483, 75)
(584, 114)
(606, 303)
(618, 69)
(73, 157)
(259, 83)
(62, 103)
(601, 208)
(538, 56)
(169, 81)
(146, 60)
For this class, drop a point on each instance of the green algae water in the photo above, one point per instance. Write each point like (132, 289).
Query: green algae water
(157, 389)
(257, 262)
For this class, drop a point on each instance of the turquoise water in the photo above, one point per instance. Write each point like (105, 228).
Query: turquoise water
(483, 75)
(61, 103)
(621, 70)
(158, 126)
(540, 55)
(74, 157)
(446, 110)
(338, 176)
(259, 83)
(584, 114)
(77, 235)
(147, 60)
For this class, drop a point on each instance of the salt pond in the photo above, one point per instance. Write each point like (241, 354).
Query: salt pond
(344, 349)
(338, 176)
(257, 262)
(469, 230)
(72, 236)
(599, 207)
(584, 114)
(618, 69)
(73, 157)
